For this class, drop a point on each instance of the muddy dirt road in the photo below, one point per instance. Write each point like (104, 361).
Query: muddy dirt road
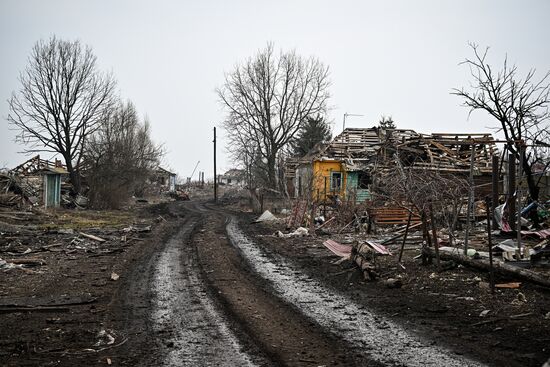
(218, 298)
(206, 290)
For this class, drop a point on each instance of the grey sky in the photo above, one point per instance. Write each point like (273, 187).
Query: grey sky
(396, 58)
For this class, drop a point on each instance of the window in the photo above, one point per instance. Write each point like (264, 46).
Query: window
(335, 180)
(363, 180)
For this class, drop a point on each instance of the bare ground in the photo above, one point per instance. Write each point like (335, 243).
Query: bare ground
(189, 289)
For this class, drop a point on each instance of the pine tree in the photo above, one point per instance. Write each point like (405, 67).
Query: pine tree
(315, 130)
(387, 122)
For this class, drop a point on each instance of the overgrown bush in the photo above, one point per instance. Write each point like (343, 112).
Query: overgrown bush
(119, 157)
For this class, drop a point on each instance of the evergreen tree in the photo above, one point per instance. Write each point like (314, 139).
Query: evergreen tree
(314, 130)
(387, 122)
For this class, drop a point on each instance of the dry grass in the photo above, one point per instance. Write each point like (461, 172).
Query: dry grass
(78, 220)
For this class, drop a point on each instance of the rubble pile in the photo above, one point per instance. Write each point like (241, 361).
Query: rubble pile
(27, 237)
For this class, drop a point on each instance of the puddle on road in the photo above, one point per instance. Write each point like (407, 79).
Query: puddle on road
(185, 318)
(382, 339)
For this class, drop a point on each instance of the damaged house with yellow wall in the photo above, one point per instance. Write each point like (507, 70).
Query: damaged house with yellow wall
(343, 168)
(346, 167)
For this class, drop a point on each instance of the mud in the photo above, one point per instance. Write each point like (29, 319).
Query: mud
(195, 333)
(199, 290)
(382, 339)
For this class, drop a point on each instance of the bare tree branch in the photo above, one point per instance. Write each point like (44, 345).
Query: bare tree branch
(61, 100)
(268, 98)
(521, 106)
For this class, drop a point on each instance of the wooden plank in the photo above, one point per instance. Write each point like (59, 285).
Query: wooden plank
(92, 237)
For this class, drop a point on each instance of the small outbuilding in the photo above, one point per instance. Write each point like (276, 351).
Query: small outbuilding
(40, 181)
(166, 180)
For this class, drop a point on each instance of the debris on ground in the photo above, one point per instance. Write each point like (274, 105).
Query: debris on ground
(338, 249)
(299, 232)
(266, 216)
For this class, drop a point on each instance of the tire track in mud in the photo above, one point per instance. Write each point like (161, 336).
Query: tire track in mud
(383, 340)
(184, 316)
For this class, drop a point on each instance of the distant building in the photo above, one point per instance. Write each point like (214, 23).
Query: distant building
(233, 177)
(165, 179)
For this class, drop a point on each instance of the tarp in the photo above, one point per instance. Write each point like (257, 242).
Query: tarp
(265, 217)
(381, 249)
(542, 234)
(337, 248)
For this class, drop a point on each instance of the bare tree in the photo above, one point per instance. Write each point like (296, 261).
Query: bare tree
(422, 190)
(520, 105)
(268, 98)
(119, 157)
(61, 101)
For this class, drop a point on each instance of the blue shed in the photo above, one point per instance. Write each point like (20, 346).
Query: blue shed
(358, 183)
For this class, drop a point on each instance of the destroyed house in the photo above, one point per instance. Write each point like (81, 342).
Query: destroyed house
(39, 181)
(165, 179)
(451, 154)
(233, 177)
(343, 168)
(346, 167)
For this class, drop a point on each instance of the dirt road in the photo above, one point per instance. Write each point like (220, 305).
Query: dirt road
(206, 290)
(217, 298)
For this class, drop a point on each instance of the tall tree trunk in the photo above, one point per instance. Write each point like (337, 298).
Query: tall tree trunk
(271, 171)
(74, 175)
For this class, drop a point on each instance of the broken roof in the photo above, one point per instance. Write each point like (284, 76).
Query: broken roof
(449, 152)
(364, 143)
(161, 170)
(361, 148)
(37, 165)
(356, 147)
(234, 172)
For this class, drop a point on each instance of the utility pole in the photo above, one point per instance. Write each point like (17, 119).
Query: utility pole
(511, 202)
(494, 202)
(519, 192)
(215, 173)
(469, 210)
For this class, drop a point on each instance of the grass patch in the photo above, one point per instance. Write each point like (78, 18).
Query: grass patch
(79, 220)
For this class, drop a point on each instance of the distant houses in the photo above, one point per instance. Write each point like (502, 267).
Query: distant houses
(233, 177)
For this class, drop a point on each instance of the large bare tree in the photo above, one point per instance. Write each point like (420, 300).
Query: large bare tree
(520, 105)
(61, 101)
(268, 98)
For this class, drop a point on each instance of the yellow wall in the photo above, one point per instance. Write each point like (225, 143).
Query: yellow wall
(322, 170)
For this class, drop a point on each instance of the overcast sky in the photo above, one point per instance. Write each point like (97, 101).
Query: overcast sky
(396, 58)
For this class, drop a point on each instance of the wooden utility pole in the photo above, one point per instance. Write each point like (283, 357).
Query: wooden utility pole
(494, 201)
(469, 210)
(491, 270)
(215, 173)
(511, 202)
(519, 193)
